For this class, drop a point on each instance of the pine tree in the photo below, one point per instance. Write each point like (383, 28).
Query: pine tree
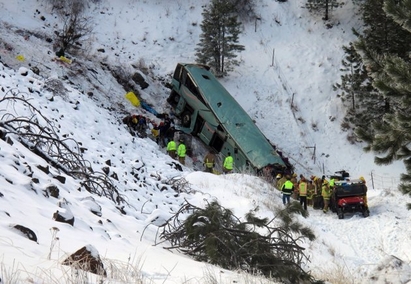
(360, 98)
(322, 6)
(392, 77)
(220, 36)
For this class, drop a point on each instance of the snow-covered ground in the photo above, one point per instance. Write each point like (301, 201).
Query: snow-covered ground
(290, 58)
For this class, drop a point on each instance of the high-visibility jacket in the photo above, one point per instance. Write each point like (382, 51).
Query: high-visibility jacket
(302, 188)
(171, 146)
(181, 150)
(228, 163)
(326, 191)
(287, 187)
(209, 160)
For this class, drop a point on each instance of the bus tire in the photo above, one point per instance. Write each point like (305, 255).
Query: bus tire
(186, 119)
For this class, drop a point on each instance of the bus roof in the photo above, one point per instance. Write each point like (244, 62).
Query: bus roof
(234, 118)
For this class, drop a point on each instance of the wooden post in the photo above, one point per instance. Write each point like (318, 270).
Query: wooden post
(273, 60)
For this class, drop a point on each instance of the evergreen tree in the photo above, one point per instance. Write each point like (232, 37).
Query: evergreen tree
(362, 101)
(391, 73)
(219, 39)
(324, 6)
(365, 104)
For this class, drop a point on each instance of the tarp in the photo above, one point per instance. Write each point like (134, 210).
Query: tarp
(133, 99)
(149, 108)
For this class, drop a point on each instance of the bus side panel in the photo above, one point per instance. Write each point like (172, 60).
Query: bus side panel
(206, 134)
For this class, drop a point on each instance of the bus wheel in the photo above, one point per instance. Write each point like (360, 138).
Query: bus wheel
(186, 119)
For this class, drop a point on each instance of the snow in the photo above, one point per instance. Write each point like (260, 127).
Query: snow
(291, 58)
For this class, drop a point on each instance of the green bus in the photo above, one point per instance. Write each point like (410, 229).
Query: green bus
(207, 110)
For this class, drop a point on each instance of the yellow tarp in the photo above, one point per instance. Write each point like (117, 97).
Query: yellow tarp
(65, 59)
(20, 57)
(133, 99)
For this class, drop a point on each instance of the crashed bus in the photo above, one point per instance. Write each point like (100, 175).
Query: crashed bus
(207, 110)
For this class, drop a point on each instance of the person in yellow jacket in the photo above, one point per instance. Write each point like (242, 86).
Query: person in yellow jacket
(287, 189)
(181, 152)
(326, 194)
(281, 181)
(362, 179)
(303, 191)
(209, 162)
(172, 148)
(228, 163)
(310, 193)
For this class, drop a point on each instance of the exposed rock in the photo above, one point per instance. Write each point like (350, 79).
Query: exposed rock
(26, 232)
(62, 217)
(88, 259)
(139, 79)
(61, 179)
(53, 191)
(45, 169)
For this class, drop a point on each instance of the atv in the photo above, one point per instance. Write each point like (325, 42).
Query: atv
(349, 196)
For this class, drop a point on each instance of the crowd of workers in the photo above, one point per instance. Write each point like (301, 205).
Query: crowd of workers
(315, 191)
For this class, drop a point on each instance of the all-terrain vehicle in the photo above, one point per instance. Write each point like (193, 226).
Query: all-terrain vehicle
(349, 196)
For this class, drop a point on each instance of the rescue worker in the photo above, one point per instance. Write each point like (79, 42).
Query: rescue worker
(228, 163)
(362, 179)
(281, 181)
(181, 152)
(310, 193)
(276, 180)
(295, 183)
(209, 162)
(326, 194)
(155, 131)
(287, 189)
(172, 148)
(303, 190)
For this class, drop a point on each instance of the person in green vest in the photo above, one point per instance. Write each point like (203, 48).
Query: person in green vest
(228, 163)
(181, 152)
(172, 148)
(303, 190)
(287, 189)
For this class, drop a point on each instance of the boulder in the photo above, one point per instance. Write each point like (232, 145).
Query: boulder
(88, 259)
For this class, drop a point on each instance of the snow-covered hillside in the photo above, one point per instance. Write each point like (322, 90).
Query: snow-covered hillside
(290, 57)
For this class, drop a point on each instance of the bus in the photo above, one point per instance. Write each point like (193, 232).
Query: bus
(207, 110)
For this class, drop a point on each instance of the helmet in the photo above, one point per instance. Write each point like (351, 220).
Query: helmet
(278, 176)
(362, 179)
(294, 175)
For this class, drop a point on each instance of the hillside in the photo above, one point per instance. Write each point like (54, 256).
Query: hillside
(85, 102)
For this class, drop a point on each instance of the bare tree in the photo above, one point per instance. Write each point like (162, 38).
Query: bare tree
(75, 25)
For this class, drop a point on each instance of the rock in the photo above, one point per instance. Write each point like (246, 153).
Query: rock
(88, 259)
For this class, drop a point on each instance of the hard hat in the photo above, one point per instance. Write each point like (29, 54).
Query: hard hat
(294, 174)
(278, 176)
(362, 179)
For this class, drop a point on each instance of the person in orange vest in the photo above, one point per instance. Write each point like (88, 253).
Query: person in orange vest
(303, 190)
